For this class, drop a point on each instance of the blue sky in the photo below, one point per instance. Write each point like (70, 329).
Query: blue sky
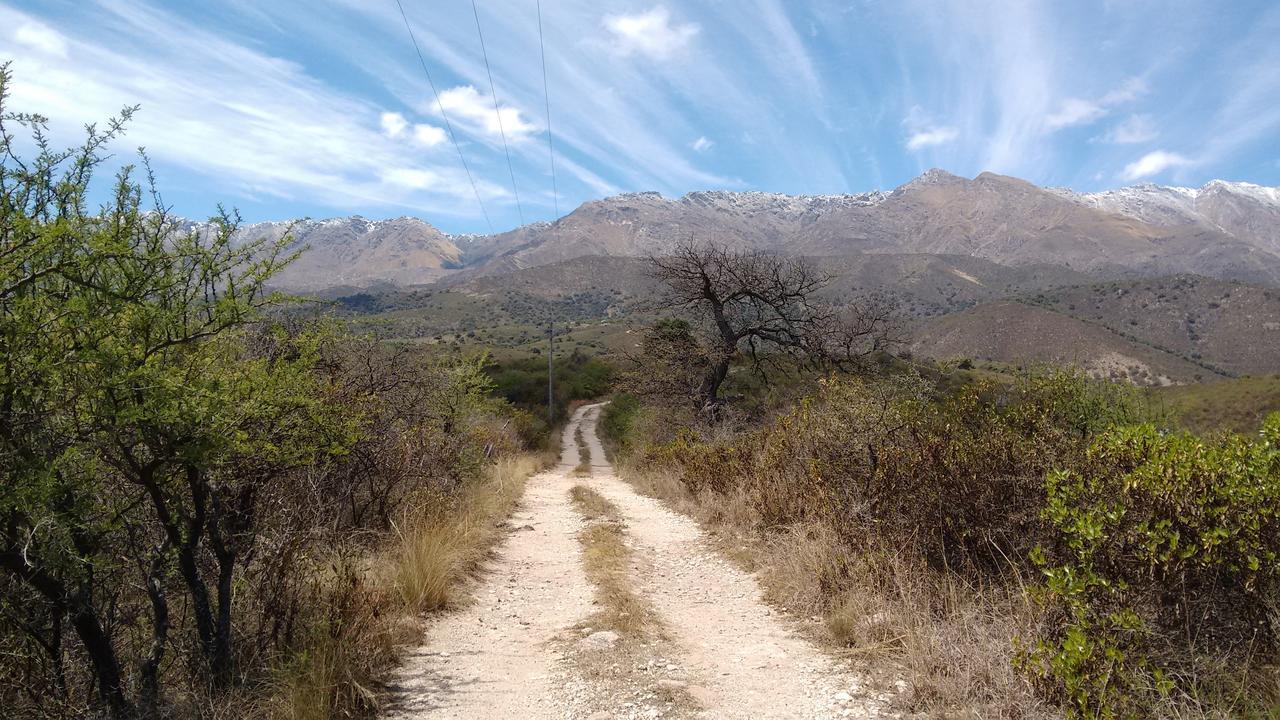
(319, 107)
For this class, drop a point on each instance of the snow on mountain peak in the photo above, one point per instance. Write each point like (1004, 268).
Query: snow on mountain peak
(753, 201)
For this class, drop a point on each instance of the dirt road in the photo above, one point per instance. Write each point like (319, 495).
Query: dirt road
(523, 650)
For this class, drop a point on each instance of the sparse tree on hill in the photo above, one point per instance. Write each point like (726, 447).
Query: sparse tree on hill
(766, 306)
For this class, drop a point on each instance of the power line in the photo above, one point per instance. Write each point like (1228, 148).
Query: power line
(551, 151)
(448, 126)
(493, 91)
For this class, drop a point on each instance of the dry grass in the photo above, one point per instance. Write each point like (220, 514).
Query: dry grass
(369, 604)
(606, 560)
(593, 505)
(949, 643)
(440, 544)
(584, 455)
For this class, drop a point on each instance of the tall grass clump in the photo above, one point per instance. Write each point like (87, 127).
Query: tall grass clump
(438, 544)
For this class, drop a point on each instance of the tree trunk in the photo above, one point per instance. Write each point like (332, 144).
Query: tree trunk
(711, 384)
(149, 681)
(221, 659)
(106, 667)
(186, 543)
(84, 618)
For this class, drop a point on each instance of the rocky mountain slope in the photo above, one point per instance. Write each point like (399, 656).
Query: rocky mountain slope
(354, 251)
(1223, 230)
(1248, 212)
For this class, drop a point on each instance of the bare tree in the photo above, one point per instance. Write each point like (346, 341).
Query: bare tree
(766, 306)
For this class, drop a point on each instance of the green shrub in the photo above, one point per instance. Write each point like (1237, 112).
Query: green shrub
(523, 382)
(1165, 548)
(617, 422)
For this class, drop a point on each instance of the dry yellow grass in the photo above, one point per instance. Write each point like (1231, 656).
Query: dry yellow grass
(606, 559)
(440, 544)
(593, 505)
(584, 455)
(370, 609)
(949, 642)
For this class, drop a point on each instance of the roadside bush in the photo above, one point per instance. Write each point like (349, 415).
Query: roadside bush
(617, 423)
(956, 477)
(1165, 552)
(905, 510)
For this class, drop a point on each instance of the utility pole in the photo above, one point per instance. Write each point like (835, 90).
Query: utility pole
(551, 356)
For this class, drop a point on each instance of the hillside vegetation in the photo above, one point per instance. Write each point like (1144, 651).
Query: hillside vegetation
(1231, 327)
(1016, 333)
(1238, 405)
(1183, 329)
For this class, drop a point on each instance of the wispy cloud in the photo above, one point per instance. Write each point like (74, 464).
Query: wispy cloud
(252, 122)
(1153, 163)
(41, 38)
(1133, 130)
(650, 33)
(702, 144)
(923, 132)
(931, 137)
(1076, 111)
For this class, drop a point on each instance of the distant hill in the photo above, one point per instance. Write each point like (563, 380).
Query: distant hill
(1231, 326)
(1016, 333)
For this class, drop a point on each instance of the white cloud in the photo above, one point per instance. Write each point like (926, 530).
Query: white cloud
(923, 131)
(1135, 129)
(411, 179)
(474, 111)
(1077, 111)
(41, 38)
(393, 124)
(931, 137)
(702, 144)
(650, 33)
(1074, 111)
(1153, 163)
(428, 135)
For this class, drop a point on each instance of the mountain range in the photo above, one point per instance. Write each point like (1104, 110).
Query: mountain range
(1152, 284)
(1225, 230)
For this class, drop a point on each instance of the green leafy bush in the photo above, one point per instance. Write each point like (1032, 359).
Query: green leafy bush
(1165, 548)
